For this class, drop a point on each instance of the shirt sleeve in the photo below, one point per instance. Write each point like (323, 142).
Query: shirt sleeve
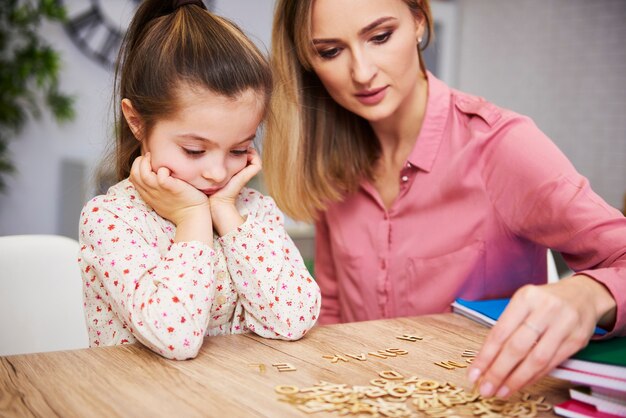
(325, 274)
(278, 296)
(163, 297)
(540, 196)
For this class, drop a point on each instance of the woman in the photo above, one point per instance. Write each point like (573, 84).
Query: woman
(422, 194)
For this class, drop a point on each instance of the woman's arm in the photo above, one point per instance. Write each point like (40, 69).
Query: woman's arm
(539, 196)
(325, 274)
(541, 327)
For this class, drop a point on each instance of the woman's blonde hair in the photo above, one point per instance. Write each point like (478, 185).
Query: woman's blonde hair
(315, 151)
(170, 43)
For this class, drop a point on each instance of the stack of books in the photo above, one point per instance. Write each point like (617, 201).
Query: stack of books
(599, 369)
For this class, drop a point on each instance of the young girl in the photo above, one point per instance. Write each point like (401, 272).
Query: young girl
(422, 193)
(182, 250)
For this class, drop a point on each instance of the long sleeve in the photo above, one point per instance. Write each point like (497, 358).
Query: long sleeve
(325, 274)
(482, 195)
(278, 297)
(160, 290)
(540, 196)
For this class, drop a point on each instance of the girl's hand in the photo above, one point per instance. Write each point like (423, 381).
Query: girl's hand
(228, 194)
(173, 199)
(223, 210)
(540, 328)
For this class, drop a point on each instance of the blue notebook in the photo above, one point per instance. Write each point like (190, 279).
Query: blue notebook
(488, 311)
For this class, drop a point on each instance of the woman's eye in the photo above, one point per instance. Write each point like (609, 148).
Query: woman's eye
(382, 38)
(239, 152)
(193, 151)
(329, 53)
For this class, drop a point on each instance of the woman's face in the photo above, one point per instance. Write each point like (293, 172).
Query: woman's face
(366, 54)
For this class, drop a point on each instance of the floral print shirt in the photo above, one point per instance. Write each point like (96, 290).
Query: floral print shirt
(140, 285)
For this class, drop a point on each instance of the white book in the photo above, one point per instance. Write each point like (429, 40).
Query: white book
(590, 379)
(602, 403)
(481, 318)
(608, 370)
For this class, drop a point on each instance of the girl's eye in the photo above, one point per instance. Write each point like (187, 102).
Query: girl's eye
(193, 151)
(239, 152)
(329, 53)
(382, 38)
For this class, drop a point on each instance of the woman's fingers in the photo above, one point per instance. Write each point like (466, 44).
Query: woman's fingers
(540, 348)
(574, 341)
(560, 340)
(540, 328)
(510, 320)
(511, 357)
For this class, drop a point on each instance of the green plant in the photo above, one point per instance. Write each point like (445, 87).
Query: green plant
(29, 70)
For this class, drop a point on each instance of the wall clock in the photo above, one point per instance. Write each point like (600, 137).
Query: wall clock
(97, 26)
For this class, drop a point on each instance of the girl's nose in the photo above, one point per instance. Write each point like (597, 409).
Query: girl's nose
(215, 173)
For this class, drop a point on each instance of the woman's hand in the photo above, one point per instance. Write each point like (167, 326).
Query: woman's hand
(540, 328)
(173, 199)
(223, 210)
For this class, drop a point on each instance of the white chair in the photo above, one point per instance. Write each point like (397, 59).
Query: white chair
(41, 303)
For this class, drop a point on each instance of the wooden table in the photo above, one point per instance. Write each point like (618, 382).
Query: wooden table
(226, 379)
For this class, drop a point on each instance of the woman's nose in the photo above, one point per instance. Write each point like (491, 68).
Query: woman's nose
(363, 68)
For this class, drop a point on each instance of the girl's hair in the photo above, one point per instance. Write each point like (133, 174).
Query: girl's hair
(168, 46)
(326, 149)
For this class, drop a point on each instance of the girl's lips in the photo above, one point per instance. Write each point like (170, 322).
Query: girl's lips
(371, 97)
(209, 192)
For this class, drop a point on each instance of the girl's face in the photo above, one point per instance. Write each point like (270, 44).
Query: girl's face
(366, 54)
(207, 141)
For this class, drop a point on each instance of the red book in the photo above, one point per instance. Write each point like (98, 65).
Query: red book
(576, 409)
(610, 404)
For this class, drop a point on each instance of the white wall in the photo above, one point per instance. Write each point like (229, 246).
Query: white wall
(34, 197)
(562, 62)
(31, 202)
(253, 16)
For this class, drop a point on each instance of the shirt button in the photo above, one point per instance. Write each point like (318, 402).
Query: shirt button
(221, 275)
(405, 178)
(221, 299)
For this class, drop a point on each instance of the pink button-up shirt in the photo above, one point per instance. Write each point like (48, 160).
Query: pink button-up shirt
(483, 194)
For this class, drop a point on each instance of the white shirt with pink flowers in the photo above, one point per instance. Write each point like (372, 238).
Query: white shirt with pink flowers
(140, 285)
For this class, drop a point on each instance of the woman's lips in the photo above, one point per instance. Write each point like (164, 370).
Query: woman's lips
(371, 97)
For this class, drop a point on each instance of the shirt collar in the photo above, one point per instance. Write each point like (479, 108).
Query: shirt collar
(435, 120)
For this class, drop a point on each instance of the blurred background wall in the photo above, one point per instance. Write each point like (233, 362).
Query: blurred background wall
(562, 62)
(55, 163)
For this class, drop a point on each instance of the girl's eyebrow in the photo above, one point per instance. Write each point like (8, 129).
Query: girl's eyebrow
(201, 138)
(363, 31)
